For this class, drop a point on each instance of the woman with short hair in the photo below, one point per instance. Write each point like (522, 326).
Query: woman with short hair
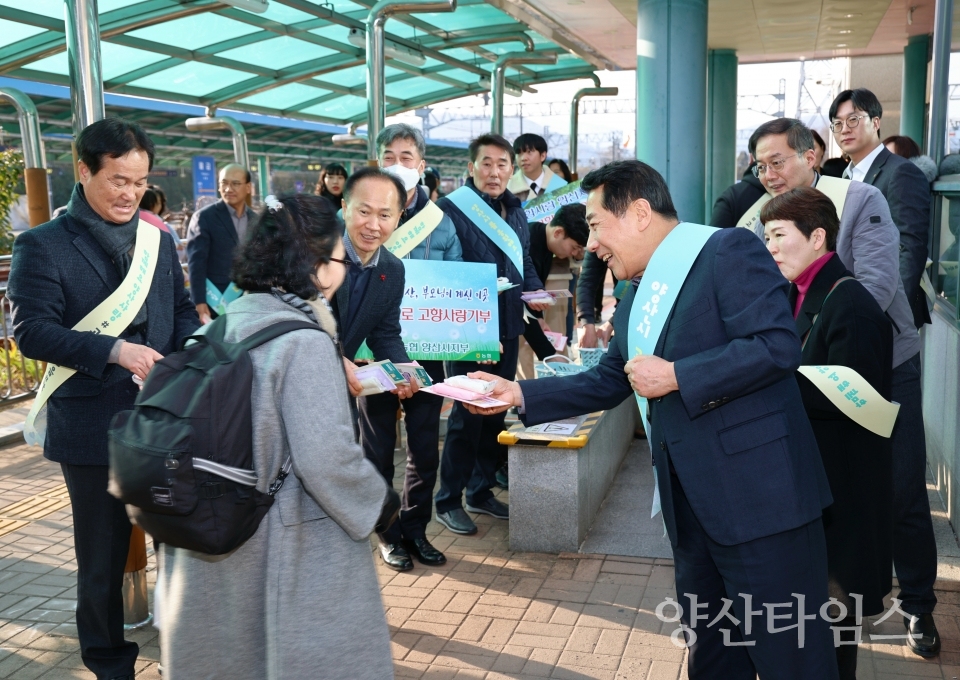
(300, 598)
(841, 324)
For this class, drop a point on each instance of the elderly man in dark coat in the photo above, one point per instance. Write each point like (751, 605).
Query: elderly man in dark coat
(61, 272)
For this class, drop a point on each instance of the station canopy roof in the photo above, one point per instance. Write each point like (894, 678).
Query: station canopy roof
(294, 60)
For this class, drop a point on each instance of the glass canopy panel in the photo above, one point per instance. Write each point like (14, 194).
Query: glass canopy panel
(192, 79)
(56, 64)
(347, 77)
(284, 97)
(104, 6)
(414, 87)
(341, 108)
(11, 32)
(194, 32)
(48, 8)
(333, 32)
(465, 77)
(285, 15)
(119, 59)
(277, 53)
(463, 54)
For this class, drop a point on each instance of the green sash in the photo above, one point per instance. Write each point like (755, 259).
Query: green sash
(834, 187)
(661, 283)
(111, 317)
(490, 223)
(413, 232)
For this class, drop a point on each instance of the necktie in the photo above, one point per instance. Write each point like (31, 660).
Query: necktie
(533, 188)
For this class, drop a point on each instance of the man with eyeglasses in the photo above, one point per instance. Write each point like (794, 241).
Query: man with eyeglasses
(869, 245)
(213, 236)
(855, 116)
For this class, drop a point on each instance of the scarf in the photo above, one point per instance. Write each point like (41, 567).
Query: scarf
(318, 310)
(116, 239)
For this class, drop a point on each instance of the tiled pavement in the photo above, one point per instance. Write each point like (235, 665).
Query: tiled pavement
(488, 613)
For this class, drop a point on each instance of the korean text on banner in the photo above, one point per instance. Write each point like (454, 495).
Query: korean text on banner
(543, 208)
(449, 312)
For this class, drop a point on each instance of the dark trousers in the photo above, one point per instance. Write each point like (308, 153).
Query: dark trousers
(470, 450)
(914, 545)
(378, 435)
(773, 570)
(101, 539)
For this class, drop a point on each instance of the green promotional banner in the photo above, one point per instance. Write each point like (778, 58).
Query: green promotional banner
(543, 208)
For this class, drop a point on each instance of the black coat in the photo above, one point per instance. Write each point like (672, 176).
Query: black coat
(58, 275)
(907, 191)
(542, 260)
(851, 330)
(736, 200)
(378, 318)
(478, 248)
(211, 244)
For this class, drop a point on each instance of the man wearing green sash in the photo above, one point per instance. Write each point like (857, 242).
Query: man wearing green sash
(869, 245)
(423, 235)
(740, 477)
(61, 275)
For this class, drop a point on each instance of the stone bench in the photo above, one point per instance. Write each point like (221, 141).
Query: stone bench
(555, 493)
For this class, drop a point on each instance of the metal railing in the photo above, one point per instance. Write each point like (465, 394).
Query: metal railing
(19, 377)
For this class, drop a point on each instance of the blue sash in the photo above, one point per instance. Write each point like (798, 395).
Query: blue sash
(217, 301)
(556, 182)
(490, 223)
(662, 280)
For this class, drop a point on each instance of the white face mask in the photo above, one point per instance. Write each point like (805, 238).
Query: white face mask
(409, 176)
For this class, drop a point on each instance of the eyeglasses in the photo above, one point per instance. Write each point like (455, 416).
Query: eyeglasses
(346, 263)
(852, 122)
(777, 165)
(233, 185)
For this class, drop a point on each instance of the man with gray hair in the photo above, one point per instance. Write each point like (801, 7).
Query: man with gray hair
(400, 150)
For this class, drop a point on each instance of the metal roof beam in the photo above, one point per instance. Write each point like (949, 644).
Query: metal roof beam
(116, 22)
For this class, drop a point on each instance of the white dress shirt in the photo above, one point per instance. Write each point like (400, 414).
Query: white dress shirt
(539, 181)
(857, 172)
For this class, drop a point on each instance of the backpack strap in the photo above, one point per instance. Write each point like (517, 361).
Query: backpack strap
(275, 331)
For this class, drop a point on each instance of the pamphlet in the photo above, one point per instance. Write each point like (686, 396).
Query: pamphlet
(379, 377)
(414, 371)
(466, 396)
(558, 340)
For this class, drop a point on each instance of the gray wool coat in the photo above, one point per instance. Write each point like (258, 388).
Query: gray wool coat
(300, 599)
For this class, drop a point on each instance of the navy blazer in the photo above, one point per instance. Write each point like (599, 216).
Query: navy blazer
(211, 244)
(378, 318)
(58, 275)
(907, 191)
(736, 433)
(478, 248)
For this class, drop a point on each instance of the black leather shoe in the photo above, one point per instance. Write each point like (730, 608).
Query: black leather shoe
(396, 556)
(457, 521)
(424, 552)
(922, 637)
(491, 507)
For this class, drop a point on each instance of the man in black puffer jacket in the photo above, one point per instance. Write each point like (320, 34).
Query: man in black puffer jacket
(737, 199)
(471, 451)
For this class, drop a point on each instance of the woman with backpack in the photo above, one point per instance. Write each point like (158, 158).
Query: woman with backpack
(300, 598)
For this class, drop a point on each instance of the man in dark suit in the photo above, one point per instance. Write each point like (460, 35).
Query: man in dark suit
(740, 477)
(214, 234)
(61, 271)
(855, 116)
(855, 119)
(737, 198)
(470, 450)
(367, 307)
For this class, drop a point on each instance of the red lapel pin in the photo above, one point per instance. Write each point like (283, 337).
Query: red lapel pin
(383, 277)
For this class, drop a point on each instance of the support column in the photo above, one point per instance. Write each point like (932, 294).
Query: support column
(672, 97)
(83, 59)
(721, 125)
(913, 100)
(263, 175)
(939, 80)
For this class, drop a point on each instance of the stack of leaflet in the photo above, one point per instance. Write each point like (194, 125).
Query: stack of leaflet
(468, 390)
(385, 376)
(549, 297)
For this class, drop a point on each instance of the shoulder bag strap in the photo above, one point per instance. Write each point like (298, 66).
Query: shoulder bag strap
(817, 315)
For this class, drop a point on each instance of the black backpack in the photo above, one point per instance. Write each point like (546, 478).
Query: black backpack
(182, 459)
